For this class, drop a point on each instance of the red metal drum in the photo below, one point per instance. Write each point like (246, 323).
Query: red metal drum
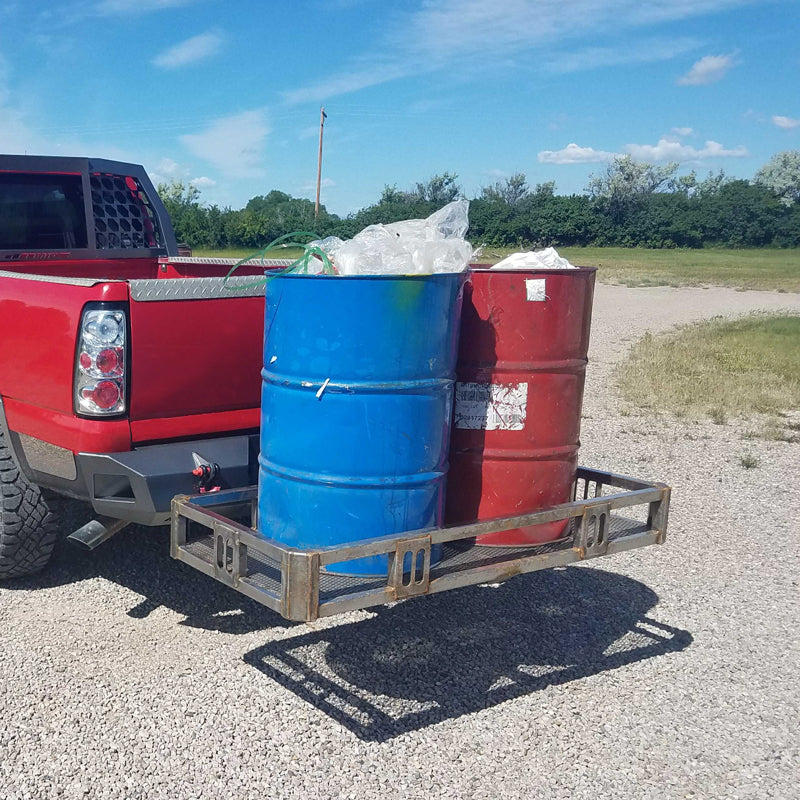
(521, 369)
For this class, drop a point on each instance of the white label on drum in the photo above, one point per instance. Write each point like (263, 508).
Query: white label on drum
(491, 406)
(535, 289)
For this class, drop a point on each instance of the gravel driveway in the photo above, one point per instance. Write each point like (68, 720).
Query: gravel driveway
(668, 672)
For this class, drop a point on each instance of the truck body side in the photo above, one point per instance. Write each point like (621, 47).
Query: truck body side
(193, 345)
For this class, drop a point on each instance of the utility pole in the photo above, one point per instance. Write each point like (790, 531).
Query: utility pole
(322, 117)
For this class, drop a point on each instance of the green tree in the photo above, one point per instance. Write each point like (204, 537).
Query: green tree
(629, 204)
(711, 184)
(625, 177)
(781, 175)
(685, 184)
(625, 182)
(510, 191)
(182, 202)
(265, 203)
(391, 194)
(740, 214)
(440, 189)
(178, 194)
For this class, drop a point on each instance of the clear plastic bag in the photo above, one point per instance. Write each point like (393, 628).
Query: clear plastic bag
(410, 247)
(539, 259)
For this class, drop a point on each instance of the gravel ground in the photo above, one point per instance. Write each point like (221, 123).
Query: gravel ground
(663, 673)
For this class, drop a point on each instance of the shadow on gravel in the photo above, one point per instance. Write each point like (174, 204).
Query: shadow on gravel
(138, 559)
(423, 661)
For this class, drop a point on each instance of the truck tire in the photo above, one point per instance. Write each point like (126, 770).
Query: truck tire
(28, 528)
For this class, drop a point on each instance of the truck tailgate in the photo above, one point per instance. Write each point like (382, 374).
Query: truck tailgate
(196, 351)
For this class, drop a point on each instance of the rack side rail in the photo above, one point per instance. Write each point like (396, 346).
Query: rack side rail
(214, 533)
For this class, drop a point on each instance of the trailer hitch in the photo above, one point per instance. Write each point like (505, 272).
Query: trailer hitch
(206, 473)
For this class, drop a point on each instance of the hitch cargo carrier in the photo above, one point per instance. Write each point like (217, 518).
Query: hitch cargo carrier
(215, 533)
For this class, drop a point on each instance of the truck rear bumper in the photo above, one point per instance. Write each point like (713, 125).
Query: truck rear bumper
(134, 485)
(138, 486)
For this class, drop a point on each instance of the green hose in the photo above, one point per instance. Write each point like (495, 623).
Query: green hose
(300, 265)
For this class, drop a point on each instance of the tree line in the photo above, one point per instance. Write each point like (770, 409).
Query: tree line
(629, 204)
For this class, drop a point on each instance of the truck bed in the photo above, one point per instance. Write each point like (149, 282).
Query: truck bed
(195, 352)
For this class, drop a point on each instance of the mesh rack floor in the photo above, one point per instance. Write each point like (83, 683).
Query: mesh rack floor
(265, 573)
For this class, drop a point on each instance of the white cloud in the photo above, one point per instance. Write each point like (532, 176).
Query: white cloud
(55, 17)
(709, 69)
(190, 51)
(450, 27)
(310, 189)
(758, 116)
(15, 136)
(108, 8)
(683, 131)
(171, 170)
(430, 105)
(167, 170)
(672, 150)
(645, 51)
(787, 123)
(309, 132)
(447, 33)
(19, 135)
(234, 145)
(668, 148)
(324, 184)
(573, 154)
(346, 82)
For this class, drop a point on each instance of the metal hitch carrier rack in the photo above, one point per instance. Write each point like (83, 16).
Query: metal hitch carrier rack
(212, 532)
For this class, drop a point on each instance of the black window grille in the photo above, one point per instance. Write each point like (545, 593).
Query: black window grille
(123, 215)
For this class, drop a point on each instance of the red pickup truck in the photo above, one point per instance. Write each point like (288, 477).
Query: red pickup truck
(128, 374)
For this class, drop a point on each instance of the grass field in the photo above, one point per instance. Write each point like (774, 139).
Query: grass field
(720, 369)
(772, 270)
(239, 252)
(775, 270)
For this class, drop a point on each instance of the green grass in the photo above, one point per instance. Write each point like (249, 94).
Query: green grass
(244, 252)
(718, 369)
(772, 270)
(775, 429)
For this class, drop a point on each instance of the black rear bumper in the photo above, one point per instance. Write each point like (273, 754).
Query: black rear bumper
(138, 486)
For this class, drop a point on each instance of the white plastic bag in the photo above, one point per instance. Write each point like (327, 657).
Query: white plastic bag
(540, 259)
(410, 247)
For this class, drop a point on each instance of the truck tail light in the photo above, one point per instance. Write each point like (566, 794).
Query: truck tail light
(100, 366)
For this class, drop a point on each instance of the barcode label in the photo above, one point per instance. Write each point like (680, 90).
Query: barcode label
(491, 406)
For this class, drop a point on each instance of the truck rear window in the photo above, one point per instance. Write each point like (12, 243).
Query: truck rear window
(41, 212)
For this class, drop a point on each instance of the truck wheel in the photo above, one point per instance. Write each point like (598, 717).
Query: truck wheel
(28, 529)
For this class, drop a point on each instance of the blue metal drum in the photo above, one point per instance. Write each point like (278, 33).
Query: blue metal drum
(356, 403)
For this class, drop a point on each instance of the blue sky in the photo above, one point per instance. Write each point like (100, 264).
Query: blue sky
(227, 94)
